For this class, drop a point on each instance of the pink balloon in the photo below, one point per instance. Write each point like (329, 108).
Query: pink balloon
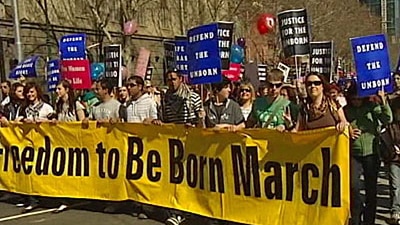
(130, 27)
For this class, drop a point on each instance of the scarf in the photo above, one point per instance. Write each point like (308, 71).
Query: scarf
(316, 112)
(177, 100)
(33, 110)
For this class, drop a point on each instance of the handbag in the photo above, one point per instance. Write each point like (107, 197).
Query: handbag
(388, 143)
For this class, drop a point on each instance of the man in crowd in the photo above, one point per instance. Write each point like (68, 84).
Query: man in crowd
(268, 110)
(108, 109)
(180, 105)
(141, 107)
(5, 92)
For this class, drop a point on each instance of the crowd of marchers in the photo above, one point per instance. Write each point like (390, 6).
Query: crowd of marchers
(313, 103)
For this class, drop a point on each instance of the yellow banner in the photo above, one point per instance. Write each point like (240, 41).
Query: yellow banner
(252, 177)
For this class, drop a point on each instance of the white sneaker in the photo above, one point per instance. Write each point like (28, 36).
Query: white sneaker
(61, 208)
(20, 205)
(174, 220)
(394, 218)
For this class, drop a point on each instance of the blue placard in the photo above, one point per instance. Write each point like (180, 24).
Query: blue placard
(26, 69)
(372, 63)
(73, 47)
(203, 55)
(53, 74)
(181, 55)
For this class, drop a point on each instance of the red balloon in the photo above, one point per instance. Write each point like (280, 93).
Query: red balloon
(265, 23)
(262, 29)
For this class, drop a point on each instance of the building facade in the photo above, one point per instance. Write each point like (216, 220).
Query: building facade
(389, 11)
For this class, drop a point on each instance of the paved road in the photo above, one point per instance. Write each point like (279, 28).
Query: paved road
(70, 217)
(383, 210)
(93, 213)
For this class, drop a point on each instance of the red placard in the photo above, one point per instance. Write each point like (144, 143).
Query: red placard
(77, 72)
(233, 73)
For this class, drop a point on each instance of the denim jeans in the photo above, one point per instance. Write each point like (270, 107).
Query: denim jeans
(367, 165)
(394, 178)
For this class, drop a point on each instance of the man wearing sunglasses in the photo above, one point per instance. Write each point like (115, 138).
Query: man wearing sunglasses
(141, 108)
(268, 110)
(5, 92)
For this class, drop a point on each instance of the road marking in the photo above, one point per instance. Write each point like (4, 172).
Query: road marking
(27, 214)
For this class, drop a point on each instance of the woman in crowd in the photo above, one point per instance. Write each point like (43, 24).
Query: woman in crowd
(365, 118)
(268, 110)
(67, 108)
(35, 109)
(247, 96)
(336, 94)
(396, 82)
(319, 110)
(222, 112)
(12, 110)
(123, 95)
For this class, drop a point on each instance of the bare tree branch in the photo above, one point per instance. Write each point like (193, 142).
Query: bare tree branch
(46, 14)
(99, 20)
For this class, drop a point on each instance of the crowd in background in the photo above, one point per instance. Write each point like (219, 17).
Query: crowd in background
(304, 105)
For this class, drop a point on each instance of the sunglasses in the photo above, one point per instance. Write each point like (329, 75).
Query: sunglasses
(315, 83)
(172, 79)
(274, 85)
(131, 85)
(245, 90)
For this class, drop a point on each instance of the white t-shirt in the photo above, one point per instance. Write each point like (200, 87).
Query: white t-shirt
(106, 110)
(66, 116)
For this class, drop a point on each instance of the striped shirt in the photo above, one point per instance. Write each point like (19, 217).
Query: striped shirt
(180, 111)
(143, 108)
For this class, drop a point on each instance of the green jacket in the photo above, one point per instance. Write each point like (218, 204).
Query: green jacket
(369, 118)
(269, 115)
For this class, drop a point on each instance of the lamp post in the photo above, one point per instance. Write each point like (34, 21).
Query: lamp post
(17, 31)
(47, 30)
